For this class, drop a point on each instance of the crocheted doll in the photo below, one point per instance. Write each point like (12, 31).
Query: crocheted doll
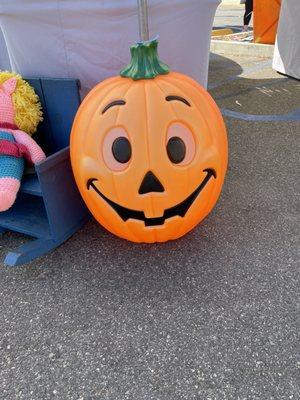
(20, 113)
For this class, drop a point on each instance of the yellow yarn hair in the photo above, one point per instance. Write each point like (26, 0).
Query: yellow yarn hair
(26, 103)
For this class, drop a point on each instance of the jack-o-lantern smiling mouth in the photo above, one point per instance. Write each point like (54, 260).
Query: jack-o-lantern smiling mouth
(178, 210)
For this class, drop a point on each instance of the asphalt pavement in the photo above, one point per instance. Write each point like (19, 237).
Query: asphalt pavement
(211, 316)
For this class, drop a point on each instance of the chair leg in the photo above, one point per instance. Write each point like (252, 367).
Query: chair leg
(30, 251)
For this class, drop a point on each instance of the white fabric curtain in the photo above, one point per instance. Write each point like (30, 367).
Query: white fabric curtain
(287, 47)
(90, 39)
(4, 59)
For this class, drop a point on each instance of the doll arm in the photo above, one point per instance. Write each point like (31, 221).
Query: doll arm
(34, 149)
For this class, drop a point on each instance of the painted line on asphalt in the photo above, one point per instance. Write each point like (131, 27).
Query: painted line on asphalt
(266, 84)
(293, 116)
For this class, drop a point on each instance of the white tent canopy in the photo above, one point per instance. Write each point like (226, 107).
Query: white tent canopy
(90, 39)
(287, 47)
(4, 59)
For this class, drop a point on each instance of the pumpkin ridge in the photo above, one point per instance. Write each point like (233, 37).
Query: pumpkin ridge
(148, 149)
(109, 83)
(113, 177)
(206, 97)
(108, 98)
(179, 119)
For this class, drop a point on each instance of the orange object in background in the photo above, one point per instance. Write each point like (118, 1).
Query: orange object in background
(265, 20)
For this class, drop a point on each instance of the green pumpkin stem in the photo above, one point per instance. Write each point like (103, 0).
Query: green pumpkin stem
(145, 63)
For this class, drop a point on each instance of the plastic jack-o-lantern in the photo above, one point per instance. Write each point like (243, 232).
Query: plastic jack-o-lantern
(149, 150)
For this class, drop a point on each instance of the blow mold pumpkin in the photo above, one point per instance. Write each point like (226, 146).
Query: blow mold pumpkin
(149, 150)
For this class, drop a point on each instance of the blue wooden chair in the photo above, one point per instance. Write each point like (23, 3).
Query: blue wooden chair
(49, 206)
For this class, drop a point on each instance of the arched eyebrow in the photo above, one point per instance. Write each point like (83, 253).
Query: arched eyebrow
(112, 104)
(178, 98)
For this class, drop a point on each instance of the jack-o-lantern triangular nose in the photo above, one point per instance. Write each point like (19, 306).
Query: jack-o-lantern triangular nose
(150, 183)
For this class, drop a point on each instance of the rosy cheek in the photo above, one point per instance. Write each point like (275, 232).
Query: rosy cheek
(107, 153)
(183, 132)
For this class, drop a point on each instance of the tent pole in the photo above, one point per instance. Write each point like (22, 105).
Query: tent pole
(143, 20)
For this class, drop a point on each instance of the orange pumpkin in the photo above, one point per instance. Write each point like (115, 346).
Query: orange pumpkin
(149, 150)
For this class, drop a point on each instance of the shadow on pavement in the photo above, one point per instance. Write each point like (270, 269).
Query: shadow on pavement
(269, 97)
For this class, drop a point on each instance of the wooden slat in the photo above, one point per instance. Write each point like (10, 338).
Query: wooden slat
(62, 100)
(44, 135)
(31, 185)
(28, 215)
